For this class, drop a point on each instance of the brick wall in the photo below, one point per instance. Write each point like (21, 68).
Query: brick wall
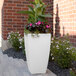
(64, 17)
(64, 20)
(12, 21)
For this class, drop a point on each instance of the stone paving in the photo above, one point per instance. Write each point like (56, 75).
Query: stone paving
(16, 67)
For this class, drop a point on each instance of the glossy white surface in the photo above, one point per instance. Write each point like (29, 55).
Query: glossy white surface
(37, 52)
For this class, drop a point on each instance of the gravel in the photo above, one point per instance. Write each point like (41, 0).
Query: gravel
(15, 54)
(52, 65)
(57, 70)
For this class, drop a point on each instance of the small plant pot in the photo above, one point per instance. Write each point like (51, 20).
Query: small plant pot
(37, 52)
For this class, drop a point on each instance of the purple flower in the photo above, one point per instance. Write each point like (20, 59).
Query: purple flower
(30, 24)
(47, 26)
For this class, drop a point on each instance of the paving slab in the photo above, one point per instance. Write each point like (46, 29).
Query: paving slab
(16, 67)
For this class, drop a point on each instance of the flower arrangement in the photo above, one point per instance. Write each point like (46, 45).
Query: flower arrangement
(37, 18)
(39, 27)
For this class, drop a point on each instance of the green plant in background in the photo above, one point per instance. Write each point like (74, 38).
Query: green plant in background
(37, 12)
(13, 38)
(72, 73)
(22, 45)
(61, 52)
(74, 54)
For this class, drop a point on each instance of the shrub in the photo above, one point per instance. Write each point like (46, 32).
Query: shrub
(13, 38)
(72, 73)
(22, 45)
(74, 54)
(61, 52)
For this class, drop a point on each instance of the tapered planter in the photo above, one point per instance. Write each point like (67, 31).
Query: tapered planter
(37, 52)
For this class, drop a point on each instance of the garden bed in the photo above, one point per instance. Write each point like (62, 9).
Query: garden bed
(15, 54)
(52, 65)
(57, 70)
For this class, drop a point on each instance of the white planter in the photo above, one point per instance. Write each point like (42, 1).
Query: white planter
(37, 52)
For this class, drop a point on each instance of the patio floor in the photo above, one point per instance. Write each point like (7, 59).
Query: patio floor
(16, 67)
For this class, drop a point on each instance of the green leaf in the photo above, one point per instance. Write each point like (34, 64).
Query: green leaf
(31, 9)
(37, 6)
(31, 19)
(39, 9)
(48, 15)
(25, 12)
(41, 2)
(42, 19)
(43, 8)
(32, 2)
(37, 1)
(26, 31)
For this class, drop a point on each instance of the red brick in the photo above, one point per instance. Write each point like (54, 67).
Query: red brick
(13, 21)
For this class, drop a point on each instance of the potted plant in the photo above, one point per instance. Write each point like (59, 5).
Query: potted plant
(37, 37)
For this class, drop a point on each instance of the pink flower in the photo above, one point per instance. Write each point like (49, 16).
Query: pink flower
(38, 23)
(47, 26)
(30, 24)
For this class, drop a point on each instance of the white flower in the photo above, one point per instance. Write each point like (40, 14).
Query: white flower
(67, 48)
(14, 37)
(57, 46)
(20, 47)
(7, 38)
(51, 54)
(70, 68)
(52, 38)
(19, 34)
(20, 39)
(51, 41)
(20, 42)
(52, 58)
(67, 41)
